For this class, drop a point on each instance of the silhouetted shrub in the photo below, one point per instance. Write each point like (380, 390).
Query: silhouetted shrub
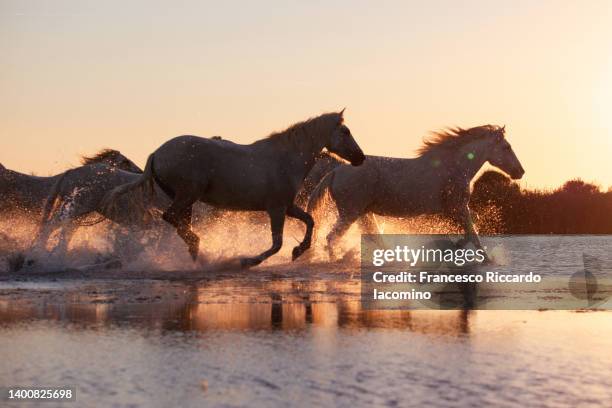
(577, 207)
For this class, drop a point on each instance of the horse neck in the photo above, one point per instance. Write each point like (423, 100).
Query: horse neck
(301, 153)
(461, 167)
(107, 161)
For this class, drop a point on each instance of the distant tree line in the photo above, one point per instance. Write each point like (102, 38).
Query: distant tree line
(577, 207)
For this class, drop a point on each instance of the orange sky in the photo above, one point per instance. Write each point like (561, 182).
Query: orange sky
(80, 75)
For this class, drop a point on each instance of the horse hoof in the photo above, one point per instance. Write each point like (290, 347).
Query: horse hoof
(113, 264)
(17, 262)
(297, 251)
(246, 263)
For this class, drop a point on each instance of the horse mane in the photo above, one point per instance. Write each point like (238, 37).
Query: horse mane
(303, 132)
(456, 137)
(99, 156)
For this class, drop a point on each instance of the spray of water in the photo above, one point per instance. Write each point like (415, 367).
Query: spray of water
(225, 237)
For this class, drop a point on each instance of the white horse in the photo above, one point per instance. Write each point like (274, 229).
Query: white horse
(23, 194)
(75, 200)
(436, 182)
(263, 176)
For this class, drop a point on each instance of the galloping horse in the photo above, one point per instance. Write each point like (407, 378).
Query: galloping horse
(24, 194)
(436, 182)
(262, 176)
(76, 200)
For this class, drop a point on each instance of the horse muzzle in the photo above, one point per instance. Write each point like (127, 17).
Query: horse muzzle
(358, 160)
(517, 174)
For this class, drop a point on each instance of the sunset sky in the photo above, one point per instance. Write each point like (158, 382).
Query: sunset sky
(80, 75)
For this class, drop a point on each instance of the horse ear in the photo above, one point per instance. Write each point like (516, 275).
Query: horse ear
(341, 113)
(503, 129)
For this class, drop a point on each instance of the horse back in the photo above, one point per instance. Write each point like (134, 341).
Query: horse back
(389, 186)
(23, 193)
(221, 173)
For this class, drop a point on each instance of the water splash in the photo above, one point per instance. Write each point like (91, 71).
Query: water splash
(225, 237)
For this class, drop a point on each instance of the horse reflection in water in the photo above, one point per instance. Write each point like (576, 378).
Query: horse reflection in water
(435, 183)
(272, 305)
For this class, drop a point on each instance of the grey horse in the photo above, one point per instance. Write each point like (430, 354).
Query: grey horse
(263, 176)
(76, 200)
(436, 182)
(23, 194)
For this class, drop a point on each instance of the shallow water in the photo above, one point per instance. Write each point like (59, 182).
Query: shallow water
(290, 334)
(312, 352)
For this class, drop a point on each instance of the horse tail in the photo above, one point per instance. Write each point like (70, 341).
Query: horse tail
(320, 193)
(52, 198)
(49, 207)
(136, 201)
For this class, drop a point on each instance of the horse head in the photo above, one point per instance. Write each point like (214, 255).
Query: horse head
(501, 155)
(343, 144)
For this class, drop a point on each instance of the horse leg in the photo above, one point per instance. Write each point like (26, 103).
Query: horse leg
(68, 229)
(127, 243)
(468, 227)
(277, 222)
(471, 235)
(343, 223)
(179, 216)
(296, 212)
(57, 214)
(42, 236)
(369, 226)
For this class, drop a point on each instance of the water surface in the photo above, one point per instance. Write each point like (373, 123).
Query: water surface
(294, 334)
